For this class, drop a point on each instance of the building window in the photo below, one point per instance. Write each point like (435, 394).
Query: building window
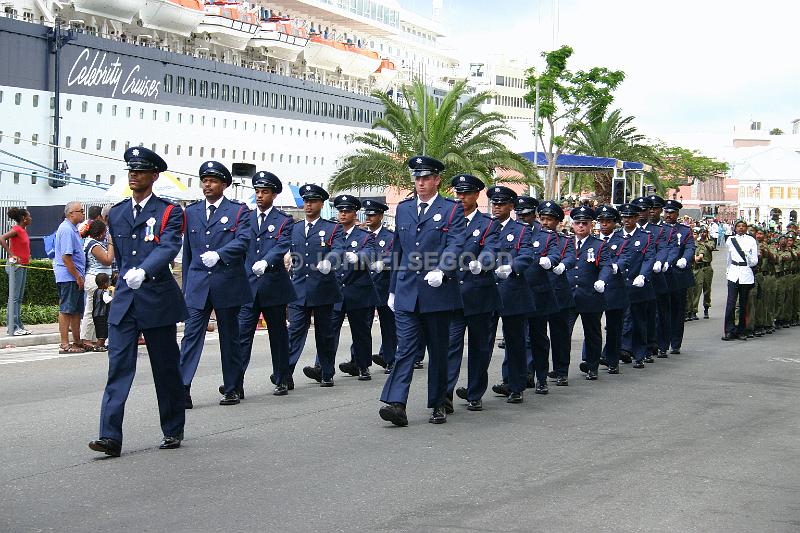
(226, 92)
(283, 101)
(168, 83)
(215, 91)
(236, 93)
(246, 96)
(776, 193)
(292, 101)
(274, 99)
(203, 89)
(256, 96)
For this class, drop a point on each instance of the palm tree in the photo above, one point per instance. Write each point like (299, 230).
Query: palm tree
(614, 136)
(458, 134)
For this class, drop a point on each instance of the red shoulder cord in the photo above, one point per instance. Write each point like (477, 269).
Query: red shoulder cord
(238, 214)
(485, 233)
(545, 244)
(624, 242)
(165, 219)
(285, 220)
(646, 246)
(564, 250)
(446, 228)
(599, 252)
(330, 242)
(519, 241)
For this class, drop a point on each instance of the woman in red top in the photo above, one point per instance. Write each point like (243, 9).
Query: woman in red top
(19, 254)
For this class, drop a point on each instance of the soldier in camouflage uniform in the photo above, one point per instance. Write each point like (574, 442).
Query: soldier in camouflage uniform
(794, 279)
(782, 268)
(765, 302)
(703, 274)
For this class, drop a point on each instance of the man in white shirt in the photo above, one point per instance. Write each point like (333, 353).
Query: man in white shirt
(742, 256)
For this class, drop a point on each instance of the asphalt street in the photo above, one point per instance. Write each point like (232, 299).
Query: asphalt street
(703, 441)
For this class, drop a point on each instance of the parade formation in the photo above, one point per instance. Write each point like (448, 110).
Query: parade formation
(440, 283)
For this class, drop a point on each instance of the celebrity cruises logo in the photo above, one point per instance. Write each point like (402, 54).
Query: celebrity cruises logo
(96, 71)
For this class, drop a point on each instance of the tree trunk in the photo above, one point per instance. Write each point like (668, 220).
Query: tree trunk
(602, 187)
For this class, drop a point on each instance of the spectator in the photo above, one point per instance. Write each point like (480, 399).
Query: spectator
(18, 249)
(101, 301)
(69, 266)
(92, 215)
(99, 257)
(720, 234)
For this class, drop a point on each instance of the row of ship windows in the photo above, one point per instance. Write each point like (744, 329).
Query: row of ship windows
(212, 152)
(190, 119)
(256, 98)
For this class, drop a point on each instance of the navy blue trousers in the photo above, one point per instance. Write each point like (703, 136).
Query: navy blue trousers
(592, 336)
(614, 318)
(479, 352)
(677, 315)
(560, 341)
(162, 347)
(194, 335)
(361, 331)
(515, 369)
(637, 318)
(299, 322)
(415, 332)
(663, 323)
(275, 316)
(539, 352)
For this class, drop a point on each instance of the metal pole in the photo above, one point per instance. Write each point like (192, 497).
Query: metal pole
(424, 111)
(57, 93)
(536, 138)
(625, 188)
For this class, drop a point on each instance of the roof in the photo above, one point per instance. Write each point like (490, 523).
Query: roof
(772, 164)
(575, 162)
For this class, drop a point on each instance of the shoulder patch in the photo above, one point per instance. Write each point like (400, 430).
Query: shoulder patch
(407, 200)
(121, 202)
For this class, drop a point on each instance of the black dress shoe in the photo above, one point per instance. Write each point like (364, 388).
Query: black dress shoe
(364, 375)
(379, 360)
(187, 399)
(448, 406)
(583, 366)
(230, 398)
(280, 390)
(394, 413)
(562, 381)
(552, 374)
(461, 392)
(625, 357)
(170, 443)
(531, 380)
(750, 335)
(418, 365)
(107, 446)
(239, 391)
(389, 368)
(326, 382)
(474, 405)
(603, 362)
(591, 375)
(514, 397)
(675, 351)
(313, 372)
(438, 415)
(541, 388)
(613, 370)
(501, 344)
(705, 312)
(290, 383)
(649, 358)
(638, 364)
(729, 337)
(349, 368)
(501, 389)
(661, 355)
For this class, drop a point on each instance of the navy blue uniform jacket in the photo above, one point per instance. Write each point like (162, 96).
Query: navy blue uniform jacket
(323, 242)
(592, 263)
(515, 250)
(384, 245)
(479, 291)
(270, 243)
(358, 290)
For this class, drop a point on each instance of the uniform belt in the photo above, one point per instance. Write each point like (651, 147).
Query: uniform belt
(739, 263)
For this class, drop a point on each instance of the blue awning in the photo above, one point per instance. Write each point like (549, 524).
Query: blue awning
(630, 165)
(574, 162)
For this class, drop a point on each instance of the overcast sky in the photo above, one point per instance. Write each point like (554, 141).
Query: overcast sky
(694, 69)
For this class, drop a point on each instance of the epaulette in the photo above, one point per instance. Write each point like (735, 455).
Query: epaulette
(234, 201)
(407, 199)
(332, 220)
(195, 202)
(284, 213)
(120, 202)
(542, 228)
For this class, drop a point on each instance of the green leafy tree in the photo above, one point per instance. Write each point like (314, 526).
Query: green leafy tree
(457, 133)
(567, 102)
(776, 131)
(683, 166)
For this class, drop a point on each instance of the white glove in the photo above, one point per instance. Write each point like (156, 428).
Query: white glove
(545, 263)
(614, 267)
(600, 286)
(324, 267)
(351, 257)
(475, 267)
(681, 263)
(107, 298)
(134, 278)
(435, 278)
(657, 267)
(559, 269)
(259, 267)
(503, 271)
(665, 266)
(210, 258)
(377, 266)
(638, 281)
(390, 303)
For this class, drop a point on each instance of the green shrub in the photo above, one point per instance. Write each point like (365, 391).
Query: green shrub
(40, 288)
(34, 314)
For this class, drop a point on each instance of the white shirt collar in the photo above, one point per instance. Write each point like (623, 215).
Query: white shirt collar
(265, 213)
(429, 202)
(142, 203)
(580, 241)
(312, 222)
(471, 216)
(503, 224)
(215, 204)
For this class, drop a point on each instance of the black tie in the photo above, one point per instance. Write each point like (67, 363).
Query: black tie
(308, 228)
(422, 207)
(138, 210)
(627, 236)
(261, 219)
(211, 210)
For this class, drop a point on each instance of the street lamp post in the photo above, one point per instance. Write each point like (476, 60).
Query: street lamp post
(58, 38)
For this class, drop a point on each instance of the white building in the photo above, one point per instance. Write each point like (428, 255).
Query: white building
(769, 183)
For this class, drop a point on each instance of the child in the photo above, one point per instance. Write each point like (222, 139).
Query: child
(100, 304)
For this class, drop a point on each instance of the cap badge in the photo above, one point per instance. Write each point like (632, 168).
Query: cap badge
(308, 187)
(210, 165)
(419, 161)
(462, 179)
(260, 174)
(344, 197)
(135, 152)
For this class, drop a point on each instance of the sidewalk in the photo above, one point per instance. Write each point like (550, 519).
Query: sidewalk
(40, 334)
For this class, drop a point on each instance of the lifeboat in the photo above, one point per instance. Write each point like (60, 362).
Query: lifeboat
(173, 16)
(122, 10)
(280, 38)
(229, 24)
(332, 55)
(385, 74)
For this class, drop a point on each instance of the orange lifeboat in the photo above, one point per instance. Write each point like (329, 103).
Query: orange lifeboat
(330, 55)
(173, 16)
(229, 24)
(280, 38)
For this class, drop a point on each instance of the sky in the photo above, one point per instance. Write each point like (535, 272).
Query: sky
(694, 69)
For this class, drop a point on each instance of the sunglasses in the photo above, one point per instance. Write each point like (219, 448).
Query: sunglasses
(581, 222)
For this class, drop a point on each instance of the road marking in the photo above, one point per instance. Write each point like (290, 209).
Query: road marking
(785, 360)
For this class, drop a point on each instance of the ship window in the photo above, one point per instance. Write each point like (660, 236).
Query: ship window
(203, 89)
(280, 158)
(35, 100)
(99, 144)
(315, 160)
(233, 155)
(306, 160)
(263, 156)
(273, 129)
(99, 109)
(274, 101)
(141, 113)
(308, 105)
(316, 107)
(180, 118)
(202, 150)
(113, 111)
(1, 99)
(192, 87)
(291, 131)
(236, 92)
(265, 99)
(83, 143)
(168, 83)
(16, 177)
(69, 104)
(202, 120)
(113, 145)
(324, 109)
(35, 139)
(322, 160)
(306, 133)
(128, 112)
(282, 130)
(213, 122)
(215, 91)
(224, 122)
(33, 179)
(323, 135)
(339, 111)
(97, 178)
(246, 96)
(84, 106)
(155, 114)
(191, 119)
(18, 98)
(290, 158)
(256, 97)
(153, 147)
(271, 158)
(127, 144)
(332, 110)
(283, 101)
(226, 92)
(190, 151)
(236, 124)
(292, 101)
(213, 151)
(189, 182)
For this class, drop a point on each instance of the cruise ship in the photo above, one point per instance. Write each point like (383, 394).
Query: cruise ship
(256, 85)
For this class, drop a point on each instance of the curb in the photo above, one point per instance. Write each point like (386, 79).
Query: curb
(30, 340)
